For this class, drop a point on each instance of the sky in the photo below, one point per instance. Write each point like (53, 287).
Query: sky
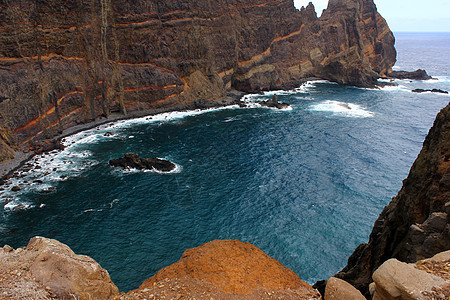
(405, 15)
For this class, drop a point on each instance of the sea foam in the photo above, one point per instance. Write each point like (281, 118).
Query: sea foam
(342, 109)
(43, 172)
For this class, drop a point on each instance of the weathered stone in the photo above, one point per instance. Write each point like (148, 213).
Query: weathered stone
(436, 222)
(230, 267)
(441, 257)
(426, 279)
(8, 248)
(397, 280)
(48, 269)
(338, 289)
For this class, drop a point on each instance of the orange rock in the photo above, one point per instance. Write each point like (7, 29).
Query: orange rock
(233, 267)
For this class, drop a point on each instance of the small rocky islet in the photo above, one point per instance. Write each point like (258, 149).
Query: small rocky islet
(133, 161)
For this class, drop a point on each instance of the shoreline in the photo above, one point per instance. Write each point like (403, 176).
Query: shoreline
(21, 158)
(232, 97)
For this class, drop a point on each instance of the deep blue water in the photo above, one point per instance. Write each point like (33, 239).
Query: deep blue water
(304, 185)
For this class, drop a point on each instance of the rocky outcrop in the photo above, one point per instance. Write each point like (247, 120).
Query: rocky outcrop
(415, 225)
(427, 279)
(133, 161)
(63, 63)
(227, 268)
(431, 91)
(273, 103)
(414, 75)
(48, 269)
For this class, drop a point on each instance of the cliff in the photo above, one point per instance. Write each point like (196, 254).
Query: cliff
(64, 63)
(415, 225)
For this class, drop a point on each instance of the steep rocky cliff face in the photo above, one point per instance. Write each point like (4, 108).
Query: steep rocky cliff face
(415, 225)
(68, 62)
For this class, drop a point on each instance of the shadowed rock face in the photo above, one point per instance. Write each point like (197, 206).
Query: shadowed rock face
(415, 225)
(63, 63)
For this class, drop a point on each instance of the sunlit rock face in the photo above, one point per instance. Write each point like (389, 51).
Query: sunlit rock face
(64, 63)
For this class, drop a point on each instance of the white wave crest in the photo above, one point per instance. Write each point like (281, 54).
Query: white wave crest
(178, 168)
(343, 109)
(439, 79)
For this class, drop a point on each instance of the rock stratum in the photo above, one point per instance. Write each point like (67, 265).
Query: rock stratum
(64, 63)
(415, 225)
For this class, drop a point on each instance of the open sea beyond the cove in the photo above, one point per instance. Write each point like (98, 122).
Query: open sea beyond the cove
(305, 184)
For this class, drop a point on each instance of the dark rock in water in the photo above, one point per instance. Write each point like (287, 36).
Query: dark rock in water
(132, 160)
(432, 91)
(415, 75)
(47, 146)
(16, 188)
(273, 103)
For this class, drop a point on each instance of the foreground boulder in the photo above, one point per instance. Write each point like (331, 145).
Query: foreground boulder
(338, 289)
(414, 75)
(131, 160)
(225, 269)
(48, 269)
(427, 279)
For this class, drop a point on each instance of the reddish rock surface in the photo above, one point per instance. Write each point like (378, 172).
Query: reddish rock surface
(63, 63)
(224, 268)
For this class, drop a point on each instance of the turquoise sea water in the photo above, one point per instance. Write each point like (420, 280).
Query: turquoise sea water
(305, 185)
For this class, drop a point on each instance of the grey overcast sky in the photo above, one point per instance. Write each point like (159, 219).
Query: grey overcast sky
(405, 15)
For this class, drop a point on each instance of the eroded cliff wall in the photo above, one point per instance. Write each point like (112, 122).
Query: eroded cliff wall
(415, 225)
(64, 63)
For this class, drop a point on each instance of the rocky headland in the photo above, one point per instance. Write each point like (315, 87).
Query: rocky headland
(66, 63)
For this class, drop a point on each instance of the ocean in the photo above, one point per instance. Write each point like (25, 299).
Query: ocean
(304, 184)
